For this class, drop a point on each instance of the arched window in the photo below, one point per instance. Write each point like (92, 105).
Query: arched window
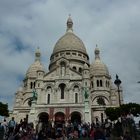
(49, 89)
(76, 97)
(92, 84)
(97, 83)
(80, 70)
(97, 120)
(31, 85)
(74, 67)
(76, 88)
(101, 84)
(102, 117)
(62, 87)
(48, 99)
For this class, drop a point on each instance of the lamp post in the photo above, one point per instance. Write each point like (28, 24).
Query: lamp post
(117, 82)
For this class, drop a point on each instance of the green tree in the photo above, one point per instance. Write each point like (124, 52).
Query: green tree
(4, 109)
(132, 108)
(114, 113)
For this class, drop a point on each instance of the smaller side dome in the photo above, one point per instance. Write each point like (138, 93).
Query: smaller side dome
(36, 66)
(98, 67)
(20, 89)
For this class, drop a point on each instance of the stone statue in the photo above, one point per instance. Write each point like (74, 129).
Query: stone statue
(86, 93)
(34, 97)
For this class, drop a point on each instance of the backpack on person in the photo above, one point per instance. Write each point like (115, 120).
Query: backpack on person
(12, 123)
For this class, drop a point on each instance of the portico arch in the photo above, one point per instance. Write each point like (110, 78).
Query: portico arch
(59, 119)
(43, 117)
(76, 117)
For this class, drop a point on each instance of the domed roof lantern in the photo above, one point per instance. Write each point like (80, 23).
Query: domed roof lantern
(69, 24)
(97, 52)
(37, 54)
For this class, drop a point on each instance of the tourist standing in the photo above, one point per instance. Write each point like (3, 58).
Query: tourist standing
(11, 125)
(5, 125)
(91, 133)
(127, 136)
(1, 131)
(99, 134)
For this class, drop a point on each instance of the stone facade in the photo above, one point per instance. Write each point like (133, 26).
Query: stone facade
(73, 89)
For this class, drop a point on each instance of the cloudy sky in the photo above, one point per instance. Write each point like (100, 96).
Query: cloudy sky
(112, 24)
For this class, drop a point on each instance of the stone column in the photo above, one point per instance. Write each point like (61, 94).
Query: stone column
(32, 114)
(87, 111)
(67, 112)
(51, 114)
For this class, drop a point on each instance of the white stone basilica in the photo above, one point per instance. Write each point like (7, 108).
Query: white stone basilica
(73, 89)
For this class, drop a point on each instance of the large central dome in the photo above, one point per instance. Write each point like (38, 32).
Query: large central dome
(69, 41)
(70, 47)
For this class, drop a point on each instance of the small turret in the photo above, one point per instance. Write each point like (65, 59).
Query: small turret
(97, 52)
(36, 66)
(37, 54)
(98, 67)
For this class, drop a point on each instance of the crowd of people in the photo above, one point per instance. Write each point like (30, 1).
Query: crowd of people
(59, 131)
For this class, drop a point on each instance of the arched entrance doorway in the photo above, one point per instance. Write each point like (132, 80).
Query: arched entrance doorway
(76, 117)
(43, 117)
(43, 121)
(59, 119)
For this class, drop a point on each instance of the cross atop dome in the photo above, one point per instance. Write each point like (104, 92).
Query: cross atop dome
(37, 54)
(97, 52)
(69, 24)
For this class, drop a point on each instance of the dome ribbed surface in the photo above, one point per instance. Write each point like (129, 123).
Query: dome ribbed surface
(99, 68)
(32, 70)
(69, 42)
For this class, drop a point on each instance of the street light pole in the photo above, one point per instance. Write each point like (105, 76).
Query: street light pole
(117, 82)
